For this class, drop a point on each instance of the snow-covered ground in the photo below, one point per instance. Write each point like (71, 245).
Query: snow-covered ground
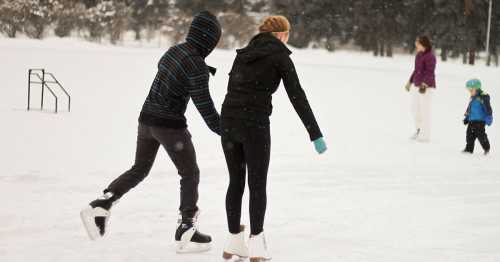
(375, 195)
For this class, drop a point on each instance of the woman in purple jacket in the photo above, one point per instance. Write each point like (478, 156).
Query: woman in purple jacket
(421, 87)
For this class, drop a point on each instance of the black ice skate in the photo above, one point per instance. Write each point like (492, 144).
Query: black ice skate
(189, 239)
(95, 217)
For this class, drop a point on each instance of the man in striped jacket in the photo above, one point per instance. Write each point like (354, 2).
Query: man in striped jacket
(182, 75)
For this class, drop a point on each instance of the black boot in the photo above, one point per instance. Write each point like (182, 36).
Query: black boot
(197, 237)
(467, 151)
(95, 217)
(189, 239)
(106, 201)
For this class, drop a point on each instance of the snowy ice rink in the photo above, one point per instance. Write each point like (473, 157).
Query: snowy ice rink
(375, 196)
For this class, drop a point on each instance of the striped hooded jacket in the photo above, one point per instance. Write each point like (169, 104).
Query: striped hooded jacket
(183, 75)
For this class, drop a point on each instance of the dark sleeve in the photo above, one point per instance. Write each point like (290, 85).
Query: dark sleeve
(297, 96)
(198, 90)
(430, 66)
(487, 105)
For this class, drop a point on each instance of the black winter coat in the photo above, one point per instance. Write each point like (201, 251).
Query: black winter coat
(184, 75)
(256, 74)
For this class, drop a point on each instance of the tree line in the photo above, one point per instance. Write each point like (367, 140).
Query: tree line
(458, 28)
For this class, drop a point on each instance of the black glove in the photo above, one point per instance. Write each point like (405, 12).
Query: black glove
(466, 121)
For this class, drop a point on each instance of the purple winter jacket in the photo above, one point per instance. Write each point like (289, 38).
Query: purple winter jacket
(425, 65)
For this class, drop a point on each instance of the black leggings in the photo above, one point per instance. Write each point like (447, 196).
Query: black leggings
(246, 146)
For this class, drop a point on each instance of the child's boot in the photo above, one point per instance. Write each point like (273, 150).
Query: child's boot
(467, 151)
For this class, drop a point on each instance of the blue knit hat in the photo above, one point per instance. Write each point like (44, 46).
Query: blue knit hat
(204, 33)
(473, 84)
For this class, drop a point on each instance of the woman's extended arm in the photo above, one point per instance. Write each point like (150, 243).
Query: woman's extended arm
(297, 96)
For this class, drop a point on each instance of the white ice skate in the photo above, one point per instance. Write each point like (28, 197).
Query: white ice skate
(236, 248)
(95, 217)
(189, 240)
(90, 217)
(258, 249)
(415, 136)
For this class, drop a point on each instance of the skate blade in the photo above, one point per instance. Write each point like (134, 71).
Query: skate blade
(236, 259)
(227, 257)
(259, 259)
(87, 216)
(191, 247)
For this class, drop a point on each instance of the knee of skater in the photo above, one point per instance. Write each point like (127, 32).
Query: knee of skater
(236, 188)
(257, 194)
(196, 173)
(190, 174)
(237, 183)
(255, 186)
(142, 168)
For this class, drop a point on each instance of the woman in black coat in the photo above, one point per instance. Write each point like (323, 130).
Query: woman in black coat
(256, 74)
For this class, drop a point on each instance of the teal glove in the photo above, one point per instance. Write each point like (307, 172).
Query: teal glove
(320, 145)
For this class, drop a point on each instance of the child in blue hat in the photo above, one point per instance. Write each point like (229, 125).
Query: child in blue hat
(478, 115)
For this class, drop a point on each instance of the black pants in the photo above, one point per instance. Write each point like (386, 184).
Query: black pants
(246, 146)
(177, 143)
(476, 129)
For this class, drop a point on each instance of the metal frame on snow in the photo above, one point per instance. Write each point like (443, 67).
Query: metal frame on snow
(44, 83)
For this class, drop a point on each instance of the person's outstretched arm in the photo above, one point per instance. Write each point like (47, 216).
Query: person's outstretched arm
(200, 94)
(299, 101)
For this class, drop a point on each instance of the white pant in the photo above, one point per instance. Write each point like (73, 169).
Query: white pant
(421, 108)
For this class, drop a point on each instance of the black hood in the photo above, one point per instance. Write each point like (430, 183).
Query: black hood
(204, 33)
(262, 45)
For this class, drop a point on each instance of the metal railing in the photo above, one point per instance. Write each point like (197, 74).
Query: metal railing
(44, 83)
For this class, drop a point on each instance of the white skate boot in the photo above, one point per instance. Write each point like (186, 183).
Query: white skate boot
(95, 217)
(257, 247)
(416, 135)
(236, 247)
